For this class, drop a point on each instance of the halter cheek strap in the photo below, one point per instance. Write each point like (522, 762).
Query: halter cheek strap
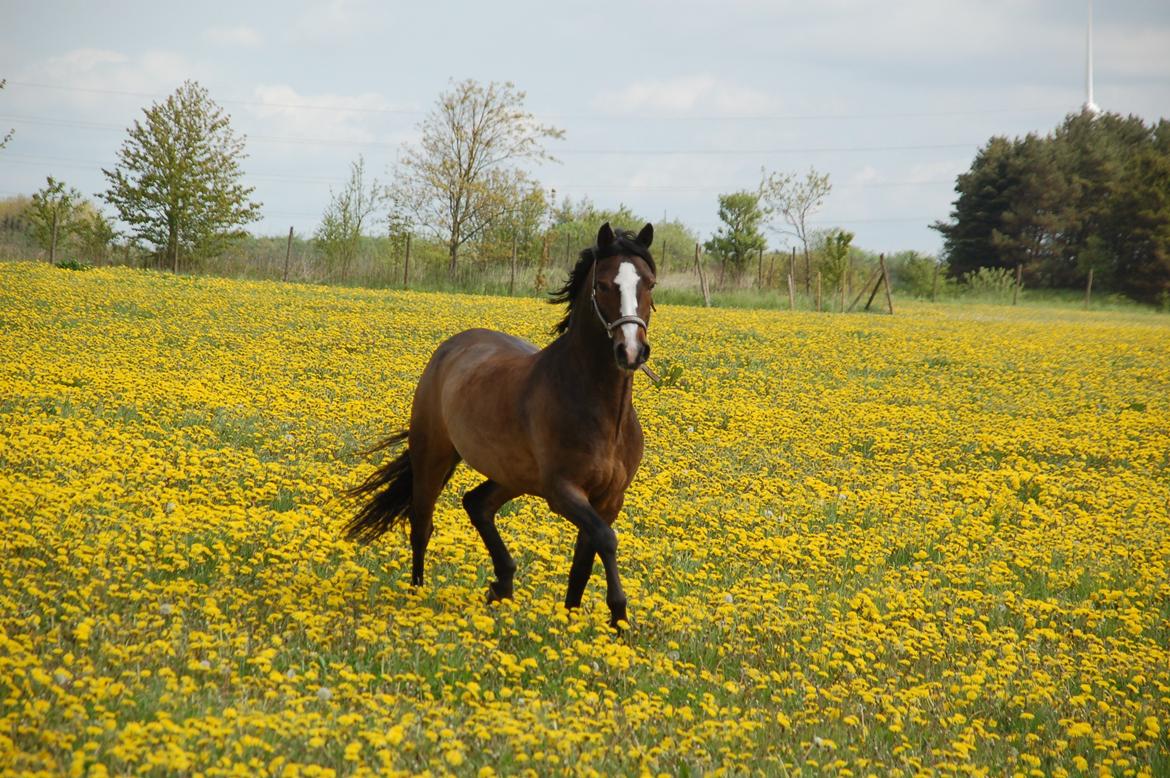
(610, 326)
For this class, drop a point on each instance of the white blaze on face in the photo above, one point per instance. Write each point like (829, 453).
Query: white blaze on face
(627, 281)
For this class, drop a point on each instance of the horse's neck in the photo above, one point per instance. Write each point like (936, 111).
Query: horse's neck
(585, 359)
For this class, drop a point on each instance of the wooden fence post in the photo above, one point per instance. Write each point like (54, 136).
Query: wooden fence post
(406, 265)
(934, 283)
(792, 280)
(1016, 288)
(512, 277)
(818, 291)
(287, 255)
(886, 282)
(874, 280)
(702, 279)
(760, 268)
(1089, 289)
(53, 241)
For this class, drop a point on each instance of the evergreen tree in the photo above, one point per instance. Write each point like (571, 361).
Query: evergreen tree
(1137, 228)
(968, 240)
(1090, 195)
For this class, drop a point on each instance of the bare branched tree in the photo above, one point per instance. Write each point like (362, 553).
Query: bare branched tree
(8, 135)
(795, 200)
(463, 174)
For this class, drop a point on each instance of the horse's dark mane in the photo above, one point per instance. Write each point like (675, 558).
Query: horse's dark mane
(625, 244)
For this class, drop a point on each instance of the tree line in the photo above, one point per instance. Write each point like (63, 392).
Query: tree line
(1095, 194)
(177, 191)
(1092, 194)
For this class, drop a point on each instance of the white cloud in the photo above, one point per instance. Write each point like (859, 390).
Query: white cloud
(686, 95)
(326, 116)
(335, 21)
(240, 35)
(93, 80)
(84, 60)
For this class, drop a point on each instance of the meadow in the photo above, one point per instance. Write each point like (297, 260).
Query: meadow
(933, 543)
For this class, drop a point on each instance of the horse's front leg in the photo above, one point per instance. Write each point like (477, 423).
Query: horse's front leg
(570, 501)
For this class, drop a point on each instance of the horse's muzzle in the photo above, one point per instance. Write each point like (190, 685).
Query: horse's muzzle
(631, 356)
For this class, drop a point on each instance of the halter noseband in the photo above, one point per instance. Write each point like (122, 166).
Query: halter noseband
(610, 326)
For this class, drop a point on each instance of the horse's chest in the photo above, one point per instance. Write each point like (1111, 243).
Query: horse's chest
(614, 471)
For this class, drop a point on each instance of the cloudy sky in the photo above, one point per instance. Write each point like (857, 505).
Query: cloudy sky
(664, 104)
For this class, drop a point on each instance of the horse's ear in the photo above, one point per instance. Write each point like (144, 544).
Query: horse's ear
(605, 236)
(646, 236)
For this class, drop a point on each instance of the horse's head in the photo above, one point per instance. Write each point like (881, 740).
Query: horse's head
(623, 275)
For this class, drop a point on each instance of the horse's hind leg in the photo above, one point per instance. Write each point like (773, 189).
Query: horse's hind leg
(432, 460)
(481, 504)
(583, 556)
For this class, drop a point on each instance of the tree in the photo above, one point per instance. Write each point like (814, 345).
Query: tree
(94, 234)
(1137, 228)
(54, 214)
(834, 259)
(796, 200)
(349, 211)
(8, 135)
(524, 221)
(912, 273)
(576, 222)
(1090, 196)
(739, 238)
(461, 176)
(177, 181)
(1095, 154)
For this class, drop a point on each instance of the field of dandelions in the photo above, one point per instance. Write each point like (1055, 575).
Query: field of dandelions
(935, 543)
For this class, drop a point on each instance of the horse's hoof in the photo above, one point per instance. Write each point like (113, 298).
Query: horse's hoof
(618, 620)
(496, 592)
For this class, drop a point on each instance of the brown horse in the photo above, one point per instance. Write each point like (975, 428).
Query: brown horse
(556, 422)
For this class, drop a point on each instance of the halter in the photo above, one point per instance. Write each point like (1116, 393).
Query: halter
(610, 326)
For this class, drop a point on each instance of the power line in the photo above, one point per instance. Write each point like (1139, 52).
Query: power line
(53, 121)
(29, 159)
(262, 103)
(764, 152)
(644, 116)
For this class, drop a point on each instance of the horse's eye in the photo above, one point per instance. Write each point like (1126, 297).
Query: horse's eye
(605, 286)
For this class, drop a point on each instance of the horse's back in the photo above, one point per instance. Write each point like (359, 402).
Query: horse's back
(472, 389)
(487, 341)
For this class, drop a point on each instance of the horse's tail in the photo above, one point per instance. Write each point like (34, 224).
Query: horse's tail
(388, 489)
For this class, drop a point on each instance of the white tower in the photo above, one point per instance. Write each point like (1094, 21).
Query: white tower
(1090, 106)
